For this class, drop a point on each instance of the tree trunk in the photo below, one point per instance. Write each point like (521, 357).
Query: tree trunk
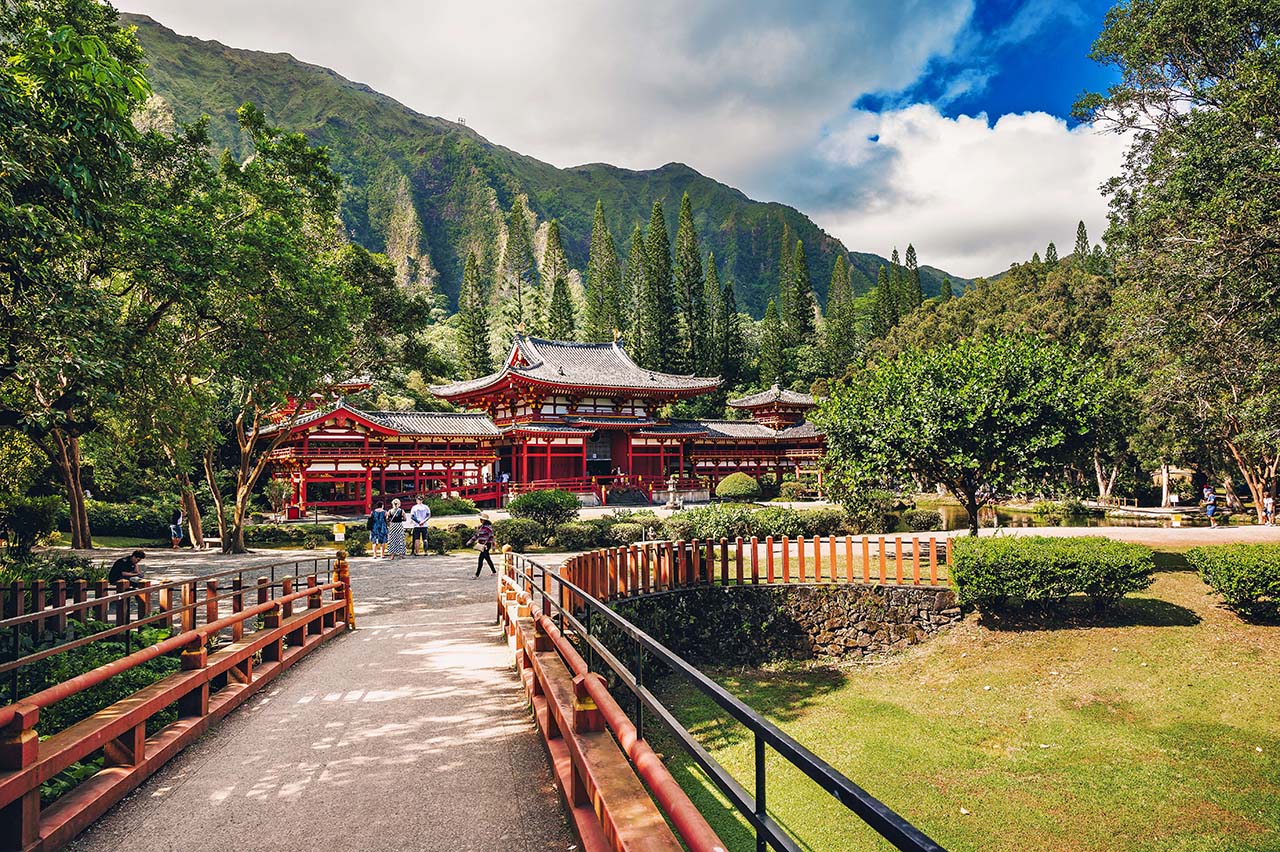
(217, 498)
(68, 462)
(191, 508)
(1164, 486)
(1233, 499)
(1106, 480)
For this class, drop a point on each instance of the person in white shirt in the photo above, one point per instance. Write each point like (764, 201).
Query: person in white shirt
(418, 517)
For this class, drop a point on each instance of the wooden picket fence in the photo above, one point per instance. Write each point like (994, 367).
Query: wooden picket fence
(658, 566)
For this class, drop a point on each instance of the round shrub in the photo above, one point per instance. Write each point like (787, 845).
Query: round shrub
(793, 489)
(549, 509)
(313, 541)
(441, 506)
(871, 511)
(444, 539)
(721, 520)
(27, 519)
(518, 533)
(738, 487)
(922, 520)
(576, 535)
(1246, 575)
(821, 521)
(626, 533)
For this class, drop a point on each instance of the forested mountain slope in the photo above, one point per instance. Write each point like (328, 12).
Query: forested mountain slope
(426, 190)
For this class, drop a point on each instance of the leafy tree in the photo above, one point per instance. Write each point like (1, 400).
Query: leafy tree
(690, 286)
(975, 417)
(713, 301)
(785, 278)
(1051, 255)
(733, 342)
(884, 308)
(605, 306)
(945, 292)
(1192, 233)
(473, 323)
(1081, 251)
(560, 322)
(772, 346)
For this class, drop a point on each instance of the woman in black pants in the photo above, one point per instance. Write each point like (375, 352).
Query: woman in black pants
(483, 539)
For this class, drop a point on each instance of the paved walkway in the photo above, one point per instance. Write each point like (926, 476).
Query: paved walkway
(412, 733)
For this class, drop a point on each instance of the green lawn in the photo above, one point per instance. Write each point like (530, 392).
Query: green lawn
(1156, 730)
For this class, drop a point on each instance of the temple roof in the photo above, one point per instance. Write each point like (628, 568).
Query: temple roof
(774, 394)
(443, 423)
(803, 429)
(733, 428)
(606, 366)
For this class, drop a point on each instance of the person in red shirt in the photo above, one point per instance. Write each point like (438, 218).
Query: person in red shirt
(483, 540)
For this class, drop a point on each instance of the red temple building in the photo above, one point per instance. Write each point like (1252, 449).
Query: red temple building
(582, 417)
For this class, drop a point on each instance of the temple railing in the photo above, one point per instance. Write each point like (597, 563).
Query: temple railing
(553, 620)
(230, 642)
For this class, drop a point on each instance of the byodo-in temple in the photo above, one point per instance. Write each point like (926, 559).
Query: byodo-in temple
(582, 417)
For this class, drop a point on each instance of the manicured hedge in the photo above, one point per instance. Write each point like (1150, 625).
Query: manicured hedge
(121, 519)
(451, 506)
(1009, 571)
(738, 486)
(576, 535)
(730, 520)
(625, 533)
(549, 509)
(1246, 575)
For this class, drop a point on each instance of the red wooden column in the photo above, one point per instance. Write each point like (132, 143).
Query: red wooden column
(662, 459)
(368, 488)
(524, 459)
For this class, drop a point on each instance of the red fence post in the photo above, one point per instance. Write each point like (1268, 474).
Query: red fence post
(933, 560)
(737, 558)
(37, 604)
(800, 558)
(755, 560)
(786, 560)
(100, 591)
(897, 559)
(286, 589)
(817, 559)
(59, 601)
(80, 594)
(866, 559)
(210, 601)
(188, 618)
(682, 565)
(19, 749)
(768, 559)
(724, 561)
(915, 559)
(848, 558)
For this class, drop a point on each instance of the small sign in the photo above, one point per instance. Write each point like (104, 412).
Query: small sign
(339, 532)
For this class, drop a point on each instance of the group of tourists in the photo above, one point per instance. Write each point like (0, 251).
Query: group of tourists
(395, 533)
(1210, 500)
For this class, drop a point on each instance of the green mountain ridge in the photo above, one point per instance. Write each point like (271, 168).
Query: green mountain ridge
(426, 190)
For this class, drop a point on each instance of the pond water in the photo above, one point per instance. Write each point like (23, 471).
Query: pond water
(954, 518)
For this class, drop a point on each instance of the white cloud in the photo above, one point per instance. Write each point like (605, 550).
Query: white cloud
(971, 195)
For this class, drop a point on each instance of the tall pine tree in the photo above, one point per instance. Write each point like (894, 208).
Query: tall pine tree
(633, 289)
(713, 302)
(520, 297)
(1051, 255)
(798, 321)
(945, 292)
(473, 323)
(555, 264)
(785, 279)
(841, 336)
(605, 310)
(662, 347)
(912, 290)
(773, 346)
(884, 311)
(1081, 252)
(560, 323)
(733, 343)
(689, 290)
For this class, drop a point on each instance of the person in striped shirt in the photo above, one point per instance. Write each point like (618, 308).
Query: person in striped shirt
(483, 540)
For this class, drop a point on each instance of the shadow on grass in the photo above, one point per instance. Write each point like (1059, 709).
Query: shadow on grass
(1079, 614)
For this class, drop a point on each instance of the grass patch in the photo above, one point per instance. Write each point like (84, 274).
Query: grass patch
(1152, 729)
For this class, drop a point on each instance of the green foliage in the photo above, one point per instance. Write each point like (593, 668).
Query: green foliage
(690, 290)
(605, 301)
(49, 566)
(773, 339)
(549, 509)
(820, 522)
(974, 417)
(25, 520)
(519, 533)
(560, 320)
(794, 489)
(625, 532)
(575, 535)
(922, 520)
(798, 300)
(777, 521)
(871, 510)
(451, 506)
(473, 323)
(453, 537)
(738, 486)
(1246, 575)
(1003, 571)
(720, 520)
(132, 520)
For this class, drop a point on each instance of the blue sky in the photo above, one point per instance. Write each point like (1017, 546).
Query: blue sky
(1018, 57)
(943, 123)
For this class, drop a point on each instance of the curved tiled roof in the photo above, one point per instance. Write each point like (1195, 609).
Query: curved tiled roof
(594, 365)
(732, 428)
(803, 429)
(446, 423)
(772, 395)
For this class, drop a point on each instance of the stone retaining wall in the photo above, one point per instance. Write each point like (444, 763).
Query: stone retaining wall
(754, 624)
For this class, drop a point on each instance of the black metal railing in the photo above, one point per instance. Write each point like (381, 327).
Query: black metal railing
(579, 614)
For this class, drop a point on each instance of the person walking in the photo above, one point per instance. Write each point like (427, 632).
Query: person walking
(1210, 506)
(1269, 510)
(418, 517)
(483, 541)
(175, 528)
(395, 531)
(378, 531)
